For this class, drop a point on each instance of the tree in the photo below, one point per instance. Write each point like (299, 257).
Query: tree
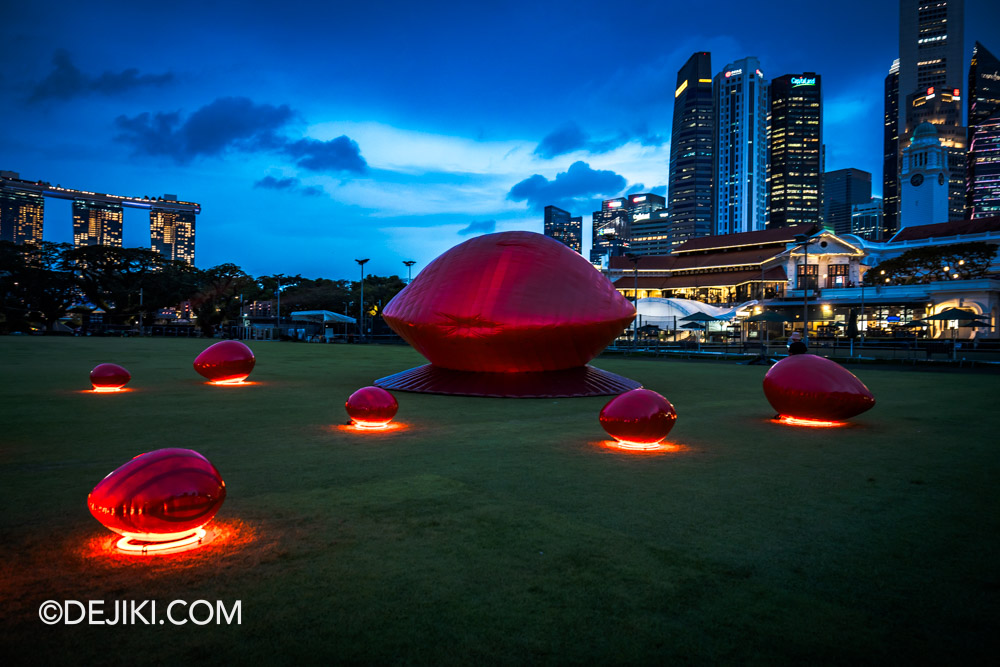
(218, 297)
(117, 279)
(923, 265)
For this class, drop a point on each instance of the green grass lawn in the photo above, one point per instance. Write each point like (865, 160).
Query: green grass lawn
(500, 530)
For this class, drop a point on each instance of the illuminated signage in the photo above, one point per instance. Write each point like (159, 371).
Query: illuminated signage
(803, 81)
(681, 88)
(733, 72)
(955, 93)
(930, 91)
(892, 318)
(704, 81)
(993, 76)
(638, 199)
(760, 74)
(614, 204)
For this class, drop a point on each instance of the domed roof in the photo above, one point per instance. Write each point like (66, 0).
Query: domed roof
(925, 130)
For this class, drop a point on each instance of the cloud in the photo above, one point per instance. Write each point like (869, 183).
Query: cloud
(228, 123)
(566, 139)
(577, 185)
(288, 184)
(66, 81)
(570, 137)
(340, 154)
(479, 227)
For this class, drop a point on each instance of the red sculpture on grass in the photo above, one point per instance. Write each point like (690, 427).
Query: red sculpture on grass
(226, 362)
(639, 418)
(509, 314)
(371, 407)
(159, 500)
(806, 387)
(109, 377)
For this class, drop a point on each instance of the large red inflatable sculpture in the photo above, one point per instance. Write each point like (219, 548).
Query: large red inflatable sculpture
(159, 501)
(805, 388)
(226, 362)
(509, 314)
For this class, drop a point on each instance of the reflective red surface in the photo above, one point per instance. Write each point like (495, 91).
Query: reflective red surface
(161, 495)
(509, 302)
(109, 376)
(811, 387)
(640, 417)
(371, 407)
(571, 382)
(226, 361)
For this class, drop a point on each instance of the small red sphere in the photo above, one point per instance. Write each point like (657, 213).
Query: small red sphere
(371, 407)
(159, 496)
(640, 417)
(228, 361)
(109, 376)
(810, 387)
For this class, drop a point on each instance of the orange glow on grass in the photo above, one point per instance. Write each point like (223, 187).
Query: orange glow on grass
(360, 427)
(236, 382)
(812, 423)
(132, 545)
(643, 448)
(106, 390)
(220, 537)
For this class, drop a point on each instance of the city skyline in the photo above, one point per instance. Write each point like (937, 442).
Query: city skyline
(332, 132)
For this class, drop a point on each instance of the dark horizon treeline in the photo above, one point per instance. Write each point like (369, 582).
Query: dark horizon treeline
(41, 282)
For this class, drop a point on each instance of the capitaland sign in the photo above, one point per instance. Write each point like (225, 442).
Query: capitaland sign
(803, 81)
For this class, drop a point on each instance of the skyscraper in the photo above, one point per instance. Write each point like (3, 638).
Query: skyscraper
(866, 220)
(983, 170)
(740, 148)
(931, 34)
(563, 227)
(97, 223)
(649, 220)
(610, 229)
(843, 189)
(615, 224)
(22, 213)
(691, 137)
(795, 150)
(171, 233)
(890, 154)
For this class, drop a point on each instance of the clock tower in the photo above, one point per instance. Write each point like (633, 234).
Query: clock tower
(924, 179)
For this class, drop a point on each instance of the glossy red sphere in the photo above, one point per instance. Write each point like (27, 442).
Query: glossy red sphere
(158, 496)
(109, 376)
(371, 406)
(509, 302)
(640, 416)
(226, 361)
(811, 387)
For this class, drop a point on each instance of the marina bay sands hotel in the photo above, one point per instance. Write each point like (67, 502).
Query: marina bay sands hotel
(97, 218)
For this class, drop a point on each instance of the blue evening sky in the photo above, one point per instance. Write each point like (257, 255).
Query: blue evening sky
(314, 133)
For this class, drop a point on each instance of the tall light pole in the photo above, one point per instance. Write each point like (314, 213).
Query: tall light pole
(632, 257)
(361, 305)
(804, 241)
(409, 269)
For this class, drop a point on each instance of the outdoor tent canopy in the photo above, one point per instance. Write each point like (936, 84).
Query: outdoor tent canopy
(322, 316)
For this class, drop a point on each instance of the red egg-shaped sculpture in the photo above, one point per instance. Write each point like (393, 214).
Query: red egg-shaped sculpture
(226, 362)
(806, 386)
(371, 407)
(161, 496)
(507, 303)
(638, 417)
(109, 377)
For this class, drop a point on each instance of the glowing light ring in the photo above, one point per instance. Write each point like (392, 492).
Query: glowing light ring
(107, 390)
(371, 408)
(231, 382)
(814, 423)
(637, 446)
(109, 377)
(134, 546)
(367, 426)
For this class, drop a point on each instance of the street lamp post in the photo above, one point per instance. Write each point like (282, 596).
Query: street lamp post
(361, 305)
(632, 257)
(409, 270)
